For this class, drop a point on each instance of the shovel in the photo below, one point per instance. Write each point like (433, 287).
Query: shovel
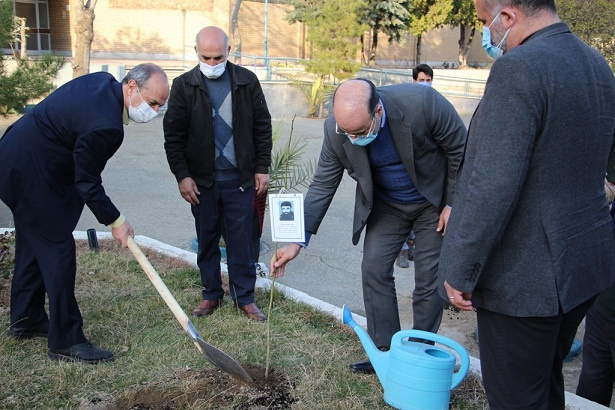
(216, 356)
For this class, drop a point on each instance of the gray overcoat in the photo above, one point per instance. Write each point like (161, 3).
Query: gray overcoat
(530, 231)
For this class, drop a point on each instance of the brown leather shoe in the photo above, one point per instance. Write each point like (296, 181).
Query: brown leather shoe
(252, 312)
(206, 307)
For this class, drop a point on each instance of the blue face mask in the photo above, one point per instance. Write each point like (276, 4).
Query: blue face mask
(493, 51)
(427, 83)
(364, 140)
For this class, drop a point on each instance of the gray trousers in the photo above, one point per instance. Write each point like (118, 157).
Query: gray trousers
(387, 229)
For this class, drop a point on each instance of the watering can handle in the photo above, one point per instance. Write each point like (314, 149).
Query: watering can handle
(421, 334)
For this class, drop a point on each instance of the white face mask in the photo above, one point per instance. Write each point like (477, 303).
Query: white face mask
(142, 113)
(212, 72)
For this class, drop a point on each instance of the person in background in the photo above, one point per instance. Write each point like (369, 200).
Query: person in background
(529, 263)
(217, 133)
(51, 161)
(402, 144)
(422, 74)
(598, 370)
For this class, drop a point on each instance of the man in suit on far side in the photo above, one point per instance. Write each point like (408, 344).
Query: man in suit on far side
(529, 241)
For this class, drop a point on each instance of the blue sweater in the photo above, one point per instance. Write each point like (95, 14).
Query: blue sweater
(391, 180)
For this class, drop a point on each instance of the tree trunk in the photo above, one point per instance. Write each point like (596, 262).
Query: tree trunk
(418, 50)
(363, 52)
(461, 58)
(83, 28)
(235, 32)
(22, 37)
(464, 46)
(373, 48)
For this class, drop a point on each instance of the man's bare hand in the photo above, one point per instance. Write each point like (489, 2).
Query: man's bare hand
(189, 190)
(458, 299)
(444, 215)
(261, 183)
(122, 232)
(282, 257)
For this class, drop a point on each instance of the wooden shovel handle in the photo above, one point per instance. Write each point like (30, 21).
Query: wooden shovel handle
(151, 273)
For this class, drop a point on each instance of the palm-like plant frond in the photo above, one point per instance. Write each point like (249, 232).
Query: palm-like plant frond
(288, 171)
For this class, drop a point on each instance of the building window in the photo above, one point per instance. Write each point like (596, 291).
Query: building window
(36, 13)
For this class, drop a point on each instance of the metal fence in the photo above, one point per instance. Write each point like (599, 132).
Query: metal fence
(286, 69)
(446, 85)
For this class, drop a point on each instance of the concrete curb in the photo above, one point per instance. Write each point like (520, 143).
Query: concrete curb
(573, 402)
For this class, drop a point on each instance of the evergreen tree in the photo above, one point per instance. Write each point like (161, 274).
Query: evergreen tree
(31, 78)
(333, 32)
(304, 10)
(390, 17)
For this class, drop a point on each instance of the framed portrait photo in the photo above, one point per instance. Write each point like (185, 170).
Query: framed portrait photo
(286, 216)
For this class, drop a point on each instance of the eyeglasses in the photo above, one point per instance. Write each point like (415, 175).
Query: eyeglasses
(339, 131)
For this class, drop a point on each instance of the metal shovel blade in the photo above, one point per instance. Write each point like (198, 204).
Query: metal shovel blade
(216, 356)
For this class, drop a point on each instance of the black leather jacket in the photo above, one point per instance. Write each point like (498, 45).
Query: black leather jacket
(188, 127)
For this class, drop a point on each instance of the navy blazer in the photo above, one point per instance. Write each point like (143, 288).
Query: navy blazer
(530, 232)
(52, 158)
(429, 136)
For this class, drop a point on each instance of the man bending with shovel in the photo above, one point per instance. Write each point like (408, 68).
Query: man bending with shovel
(51, 162)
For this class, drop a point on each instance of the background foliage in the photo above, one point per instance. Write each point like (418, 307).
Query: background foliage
(31, 78)
(593, 21)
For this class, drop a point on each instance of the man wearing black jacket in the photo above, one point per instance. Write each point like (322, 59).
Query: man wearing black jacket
(218, 142)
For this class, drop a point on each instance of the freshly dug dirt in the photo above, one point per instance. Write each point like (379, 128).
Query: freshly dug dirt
(213, 388)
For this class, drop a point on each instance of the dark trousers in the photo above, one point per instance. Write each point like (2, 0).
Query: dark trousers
(225, 201)
(258, 216)
(521, 357)
(387, 229)
(43, 266)
(598, 373)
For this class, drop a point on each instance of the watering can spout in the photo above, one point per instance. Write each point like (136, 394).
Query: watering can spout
(378, 358)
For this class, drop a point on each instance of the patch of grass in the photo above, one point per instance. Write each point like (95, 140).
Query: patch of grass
(158, 366)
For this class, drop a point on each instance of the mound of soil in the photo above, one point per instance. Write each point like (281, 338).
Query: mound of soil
(213, 388)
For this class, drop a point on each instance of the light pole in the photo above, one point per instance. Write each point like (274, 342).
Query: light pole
(266, 30)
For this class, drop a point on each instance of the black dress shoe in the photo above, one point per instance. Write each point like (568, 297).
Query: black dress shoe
(363, 367)
(29, 332)
(82, 352)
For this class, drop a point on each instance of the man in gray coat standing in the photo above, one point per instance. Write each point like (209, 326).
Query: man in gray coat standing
(529, 242)
(402, 144)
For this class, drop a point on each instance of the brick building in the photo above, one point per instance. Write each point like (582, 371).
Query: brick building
(165, 30)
